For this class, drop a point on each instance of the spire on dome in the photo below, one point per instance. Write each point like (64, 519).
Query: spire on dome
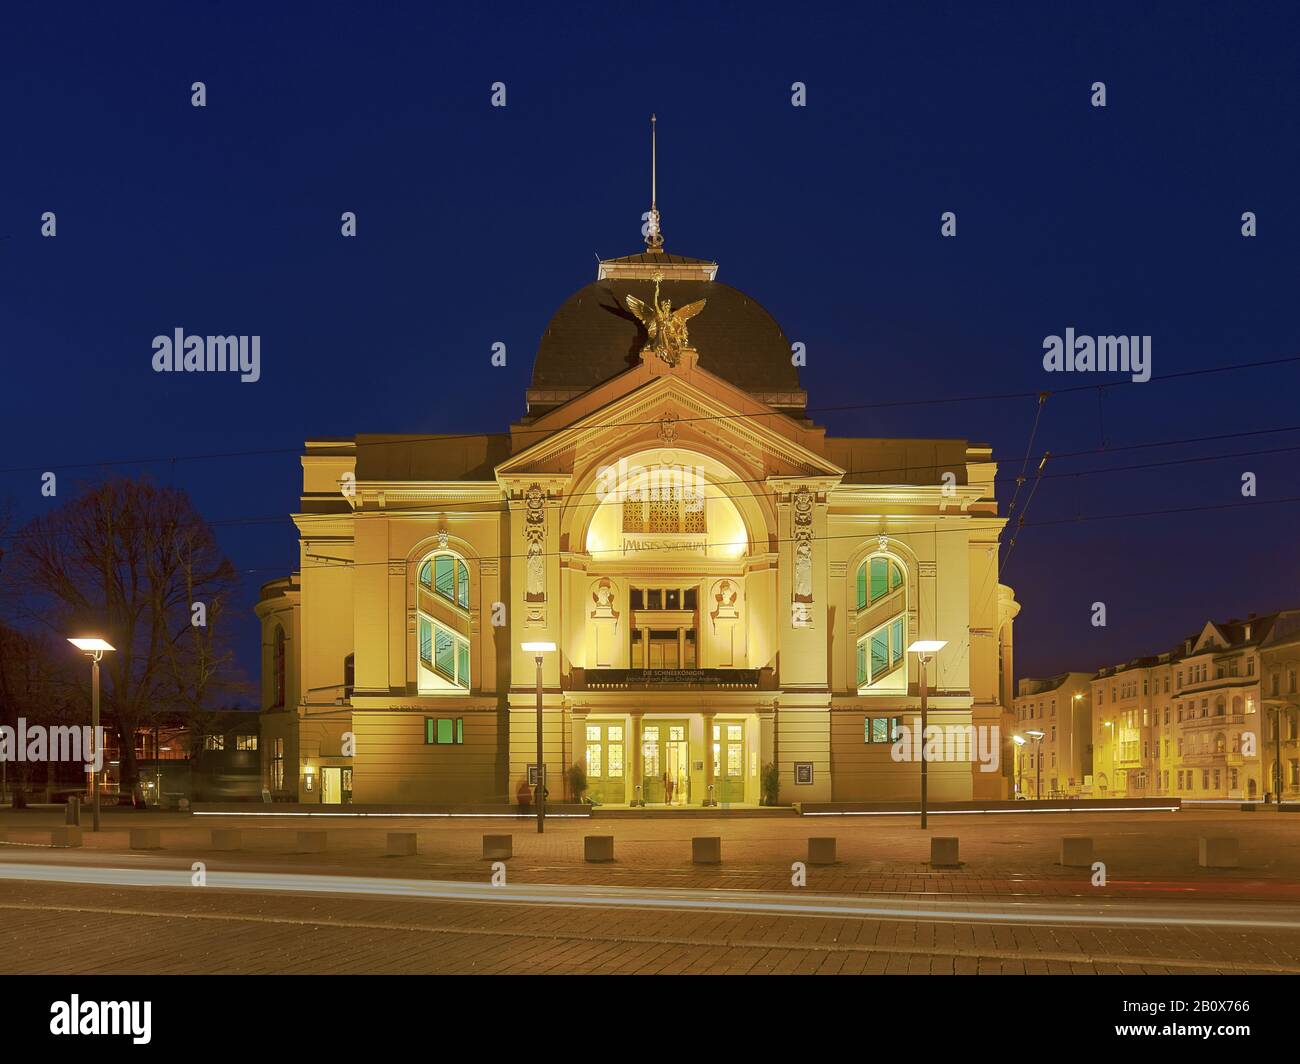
(654, 237)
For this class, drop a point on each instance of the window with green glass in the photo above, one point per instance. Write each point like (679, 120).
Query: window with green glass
(880, 652)
(426, 641)
(877, 578)
(444, 576)
(447, 576)
(444, 731)
(444, 653)
(881, 729)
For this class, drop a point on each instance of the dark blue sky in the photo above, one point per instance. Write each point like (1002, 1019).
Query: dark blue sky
(475, 223)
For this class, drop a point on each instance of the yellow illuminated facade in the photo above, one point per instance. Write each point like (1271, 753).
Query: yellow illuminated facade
(727, 586)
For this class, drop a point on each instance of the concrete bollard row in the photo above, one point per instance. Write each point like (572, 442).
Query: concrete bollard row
(1076, 851)
(1219, 852)
(498, 847)
(145, 839)
(821, 851)
(401, 844)
(65, 837)
(706, 849)
(943, 852)
(596, 848)
(311, 842)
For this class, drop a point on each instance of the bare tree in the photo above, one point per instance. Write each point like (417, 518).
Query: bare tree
(128, 560)
(35, 684)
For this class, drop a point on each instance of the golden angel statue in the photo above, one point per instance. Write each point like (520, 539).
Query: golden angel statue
(665, 327)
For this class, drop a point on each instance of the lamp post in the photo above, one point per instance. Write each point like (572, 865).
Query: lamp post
(94, 649)
(1069, 767)
(925, 649)
(1277, 746)
(1110, 743)
(1037, 736)
(1019, 740)
(537, 650)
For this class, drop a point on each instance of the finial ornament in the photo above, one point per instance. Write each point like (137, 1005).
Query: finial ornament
(654, 237)
(665, 327)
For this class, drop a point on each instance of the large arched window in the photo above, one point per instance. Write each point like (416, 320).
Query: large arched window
(882, 624)
(876, 579)
(277, 667)
(446, 575)
(443, 606)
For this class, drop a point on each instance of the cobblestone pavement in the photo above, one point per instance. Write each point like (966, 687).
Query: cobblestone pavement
(1144, 854)
(61, 929)
(1150, 858)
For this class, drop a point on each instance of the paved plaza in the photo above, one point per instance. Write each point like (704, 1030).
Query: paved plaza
(1009, 867)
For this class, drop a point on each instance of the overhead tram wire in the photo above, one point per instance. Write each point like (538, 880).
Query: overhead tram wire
(1033, 432)
(449, 437)
(281, 570)
(500, 507)
(964, 529)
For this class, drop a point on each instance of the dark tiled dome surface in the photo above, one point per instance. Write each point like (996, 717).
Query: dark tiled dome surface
(594, 337)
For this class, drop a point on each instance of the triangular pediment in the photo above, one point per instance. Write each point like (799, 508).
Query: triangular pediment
(695, 411)
(1211, 637)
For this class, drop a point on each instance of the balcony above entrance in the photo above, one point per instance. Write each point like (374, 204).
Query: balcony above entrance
(673, 680)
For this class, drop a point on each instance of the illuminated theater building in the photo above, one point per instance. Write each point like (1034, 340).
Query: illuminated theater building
(727, 586)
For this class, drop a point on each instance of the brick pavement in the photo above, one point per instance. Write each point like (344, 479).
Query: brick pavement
(1011, 855)
(59, 928)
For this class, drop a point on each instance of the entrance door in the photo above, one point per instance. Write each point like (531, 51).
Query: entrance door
(331, 786)
(729, 763)
(665, 763)
(605, 763)
(336, 786)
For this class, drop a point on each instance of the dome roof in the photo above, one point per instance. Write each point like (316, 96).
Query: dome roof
(593, 337)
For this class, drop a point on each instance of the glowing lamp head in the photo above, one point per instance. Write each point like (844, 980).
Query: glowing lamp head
(92, 645)
(537, 648)
(927, 646)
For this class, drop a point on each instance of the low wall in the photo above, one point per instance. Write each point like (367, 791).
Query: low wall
(289, 809)
(1061, 805)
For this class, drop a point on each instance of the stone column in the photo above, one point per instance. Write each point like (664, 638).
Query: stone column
(634, 753)
(709, 780)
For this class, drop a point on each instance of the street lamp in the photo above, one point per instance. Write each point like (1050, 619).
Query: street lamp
(1037, 736)
(924, 649)
(537, 650)
(1075, 699)
(94, 649)
(1111, 743)
(1019, 740)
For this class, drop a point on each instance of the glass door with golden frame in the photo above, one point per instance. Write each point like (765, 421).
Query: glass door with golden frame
(729, 762)
(665, 763)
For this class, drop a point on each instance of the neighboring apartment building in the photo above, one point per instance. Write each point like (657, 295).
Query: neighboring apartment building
(1196, 722)
(727, 586)
(1053, 729)
(1280, 704)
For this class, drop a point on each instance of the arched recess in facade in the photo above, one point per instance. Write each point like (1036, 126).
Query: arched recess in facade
(479, 649)
(724, 477)
(901, 554)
